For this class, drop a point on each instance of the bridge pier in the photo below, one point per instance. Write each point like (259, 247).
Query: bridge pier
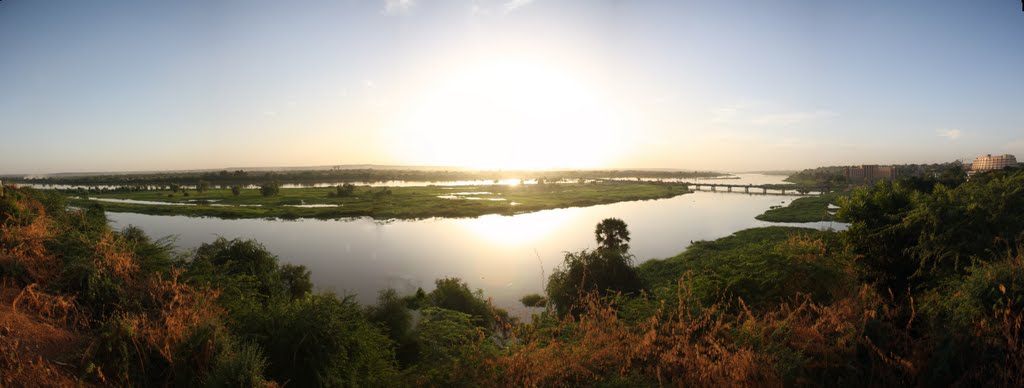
(746, 189)
(783, 191)
(764, 190)
(730, 188)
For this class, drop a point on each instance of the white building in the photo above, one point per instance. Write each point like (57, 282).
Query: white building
(992, 162)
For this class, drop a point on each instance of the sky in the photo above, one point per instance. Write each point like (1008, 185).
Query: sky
(507, 84)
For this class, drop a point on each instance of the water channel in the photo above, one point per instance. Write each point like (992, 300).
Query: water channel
(506, 256)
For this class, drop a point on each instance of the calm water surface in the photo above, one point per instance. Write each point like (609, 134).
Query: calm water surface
(504, 255)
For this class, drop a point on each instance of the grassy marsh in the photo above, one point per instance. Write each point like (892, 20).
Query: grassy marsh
(382, 202)
(806, 209)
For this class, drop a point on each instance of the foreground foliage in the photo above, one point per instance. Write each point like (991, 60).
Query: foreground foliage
(925, 288)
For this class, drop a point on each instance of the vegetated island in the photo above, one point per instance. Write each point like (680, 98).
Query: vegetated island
(805, 209)
(376, 202)
(353, 174)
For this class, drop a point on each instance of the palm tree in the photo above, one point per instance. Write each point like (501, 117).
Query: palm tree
(611, 233)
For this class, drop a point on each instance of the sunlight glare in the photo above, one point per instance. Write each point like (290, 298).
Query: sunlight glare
(509, 115)
(519, 230)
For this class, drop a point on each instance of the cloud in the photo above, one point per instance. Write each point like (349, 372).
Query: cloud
(516, 4)
(791, 118)
(398, 6)
(725, 115)
(489, 8)
(1014, 145)
(951, 134)
(763, 114)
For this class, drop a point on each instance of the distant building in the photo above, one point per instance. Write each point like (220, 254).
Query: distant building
(870, 173)
(992, 162)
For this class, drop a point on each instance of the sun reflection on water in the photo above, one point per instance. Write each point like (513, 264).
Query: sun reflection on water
(519, 230)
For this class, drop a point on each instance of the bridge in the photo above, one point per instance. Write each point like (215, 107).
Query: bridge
(770, 189)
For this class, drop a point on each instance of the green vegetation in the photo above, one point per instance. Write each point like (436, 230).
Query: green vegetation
(382, 203)
(915, 235)
(534, 300)
(925, 288)
(608, 270)
(805, 209)
(835, 176)
(763, 266)
(364, 175)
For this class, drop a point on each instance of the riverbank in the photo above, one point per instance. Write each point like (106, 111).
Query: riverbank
(380, 202)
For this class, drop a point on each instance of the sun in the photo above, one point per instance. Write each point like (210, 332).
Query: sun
(509, 115)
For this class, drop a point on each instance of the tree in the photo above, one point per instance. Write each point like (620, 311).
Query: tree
(533, 300)
(203, 186)
(296, 280)
(346, 190)
(391, 313)
(248, 272)
(605, 271)
(611, 233)
(175, 187)
(913, 235)
(453, 351)
(600, 273)
(270, 189)
(320, 341)
(454, 294)
(876, 233)
(236, 190)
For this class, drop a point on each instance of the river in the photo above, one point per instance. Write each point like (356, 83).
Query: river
(506, 256)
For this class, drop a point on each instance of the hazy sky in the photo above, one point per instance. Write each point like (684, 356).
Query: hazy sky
(728, 85)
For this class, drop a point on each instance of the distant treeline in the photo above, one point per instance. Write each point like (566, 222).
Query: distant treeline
(836, 175)
(242, 177)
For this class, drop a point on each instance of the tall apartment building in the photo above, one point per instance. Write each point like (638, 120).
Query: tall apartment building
(992, 162)
(870, 173)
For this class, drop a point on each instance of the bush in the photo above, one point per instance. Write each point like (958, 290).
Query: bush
(195, 355)
(454, 294)
(391, 314)
(296, 280)
(320, 341)
(534, 300)
(247, 273)
(763, 266)
(240, 366)
(453, 349)
(153, 255)
(345, 190)
(605, 272)
(270, 189)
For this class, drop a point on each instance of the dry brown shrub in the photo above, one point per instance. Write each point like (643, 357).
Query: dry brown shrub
(677, 348)
(598, 344)
(15, 371)
(693, 348)
(57, 308)
(115, 258)
(1011, 373)
(829, 337)
(33, 352)
(180, 308)
(802, 247)
(22, 240)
